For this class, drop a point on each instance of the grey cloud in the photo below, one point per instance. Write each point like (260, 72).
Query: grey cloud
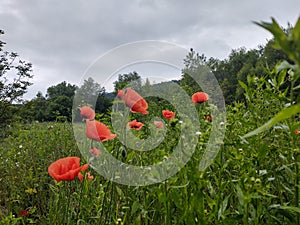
(62, 38)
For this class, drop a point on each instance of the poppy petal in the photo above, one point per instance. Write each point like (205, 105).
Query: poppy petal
(98, 131)
(87, 112)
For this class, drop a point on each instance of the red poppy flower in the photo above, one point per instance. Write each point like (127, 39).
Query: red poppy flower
(98, 131)
(208, 117)
(87, 175)
(95, 151)
(200, 97)
(168, 114)
(23, 212)
(66, 168)
(87, 112)
(158, 124)
(297, 131)
(135, 125)
(121, 94)
(134, 101)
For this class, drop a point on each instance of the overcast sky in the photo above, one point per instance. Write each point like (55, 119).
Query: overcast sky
(62, 38)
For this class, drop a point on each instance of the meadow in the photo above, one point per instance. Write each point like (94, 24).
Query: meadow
(253, 180)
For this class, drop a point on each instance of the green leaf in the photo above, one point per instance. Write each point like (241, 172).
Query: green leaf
(281, 39)
(283, 66)
(296, 31)
(289, 208)
(296, 34)
(281, 78)
(296, 88)
(135, 206)
(282, 115)
(274, 28)
(120, 192)
(240, 195)
(223, 207)
(243, 85)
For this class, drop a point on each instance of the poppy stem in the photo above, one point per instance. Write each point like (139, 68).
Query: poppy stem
(167, 203)
(68, 202)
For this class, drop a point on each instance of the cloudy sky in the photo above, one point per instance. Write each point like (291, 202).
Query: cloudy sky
(63, 38)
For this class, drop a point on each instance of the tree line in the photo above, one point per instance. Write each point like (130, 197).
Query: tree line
(56, 105)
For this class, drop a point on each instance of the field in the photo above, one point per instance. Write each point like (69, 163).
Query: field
(254, 179)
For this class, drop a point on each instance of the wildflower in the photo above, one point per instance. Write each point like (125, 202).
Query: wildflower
(198, 133)
(87, 112)
(200, 97)
(66, 168)
(158, 124)
(121, 94)
(134, 101)
(23, 212)
(208, 117)
(297, 131)
(98, 131)
(168, 114)
(80, 176)
(87, 175)
(135, 125)
(20, 146)
(95, 151)
(222, 123)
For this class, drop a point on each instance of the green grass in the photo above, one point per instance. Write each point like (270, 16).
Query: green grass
(253, 181)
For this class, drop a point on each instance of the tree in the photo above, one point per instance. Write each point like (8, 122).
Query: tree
(91, 93)
(88, 93)
(131, 78)
(39, 106)
(60, 99)
(15, 75)
(62, 89)
(195, 66)
(192, 62)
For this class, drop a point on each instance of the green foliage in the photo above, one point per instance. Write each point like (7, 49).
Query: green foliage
(192, 62)
(15, 75)
(289, 43)
(282, 115)
(131, 78)
(91, 93)
(60, 101)
(253, 181)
